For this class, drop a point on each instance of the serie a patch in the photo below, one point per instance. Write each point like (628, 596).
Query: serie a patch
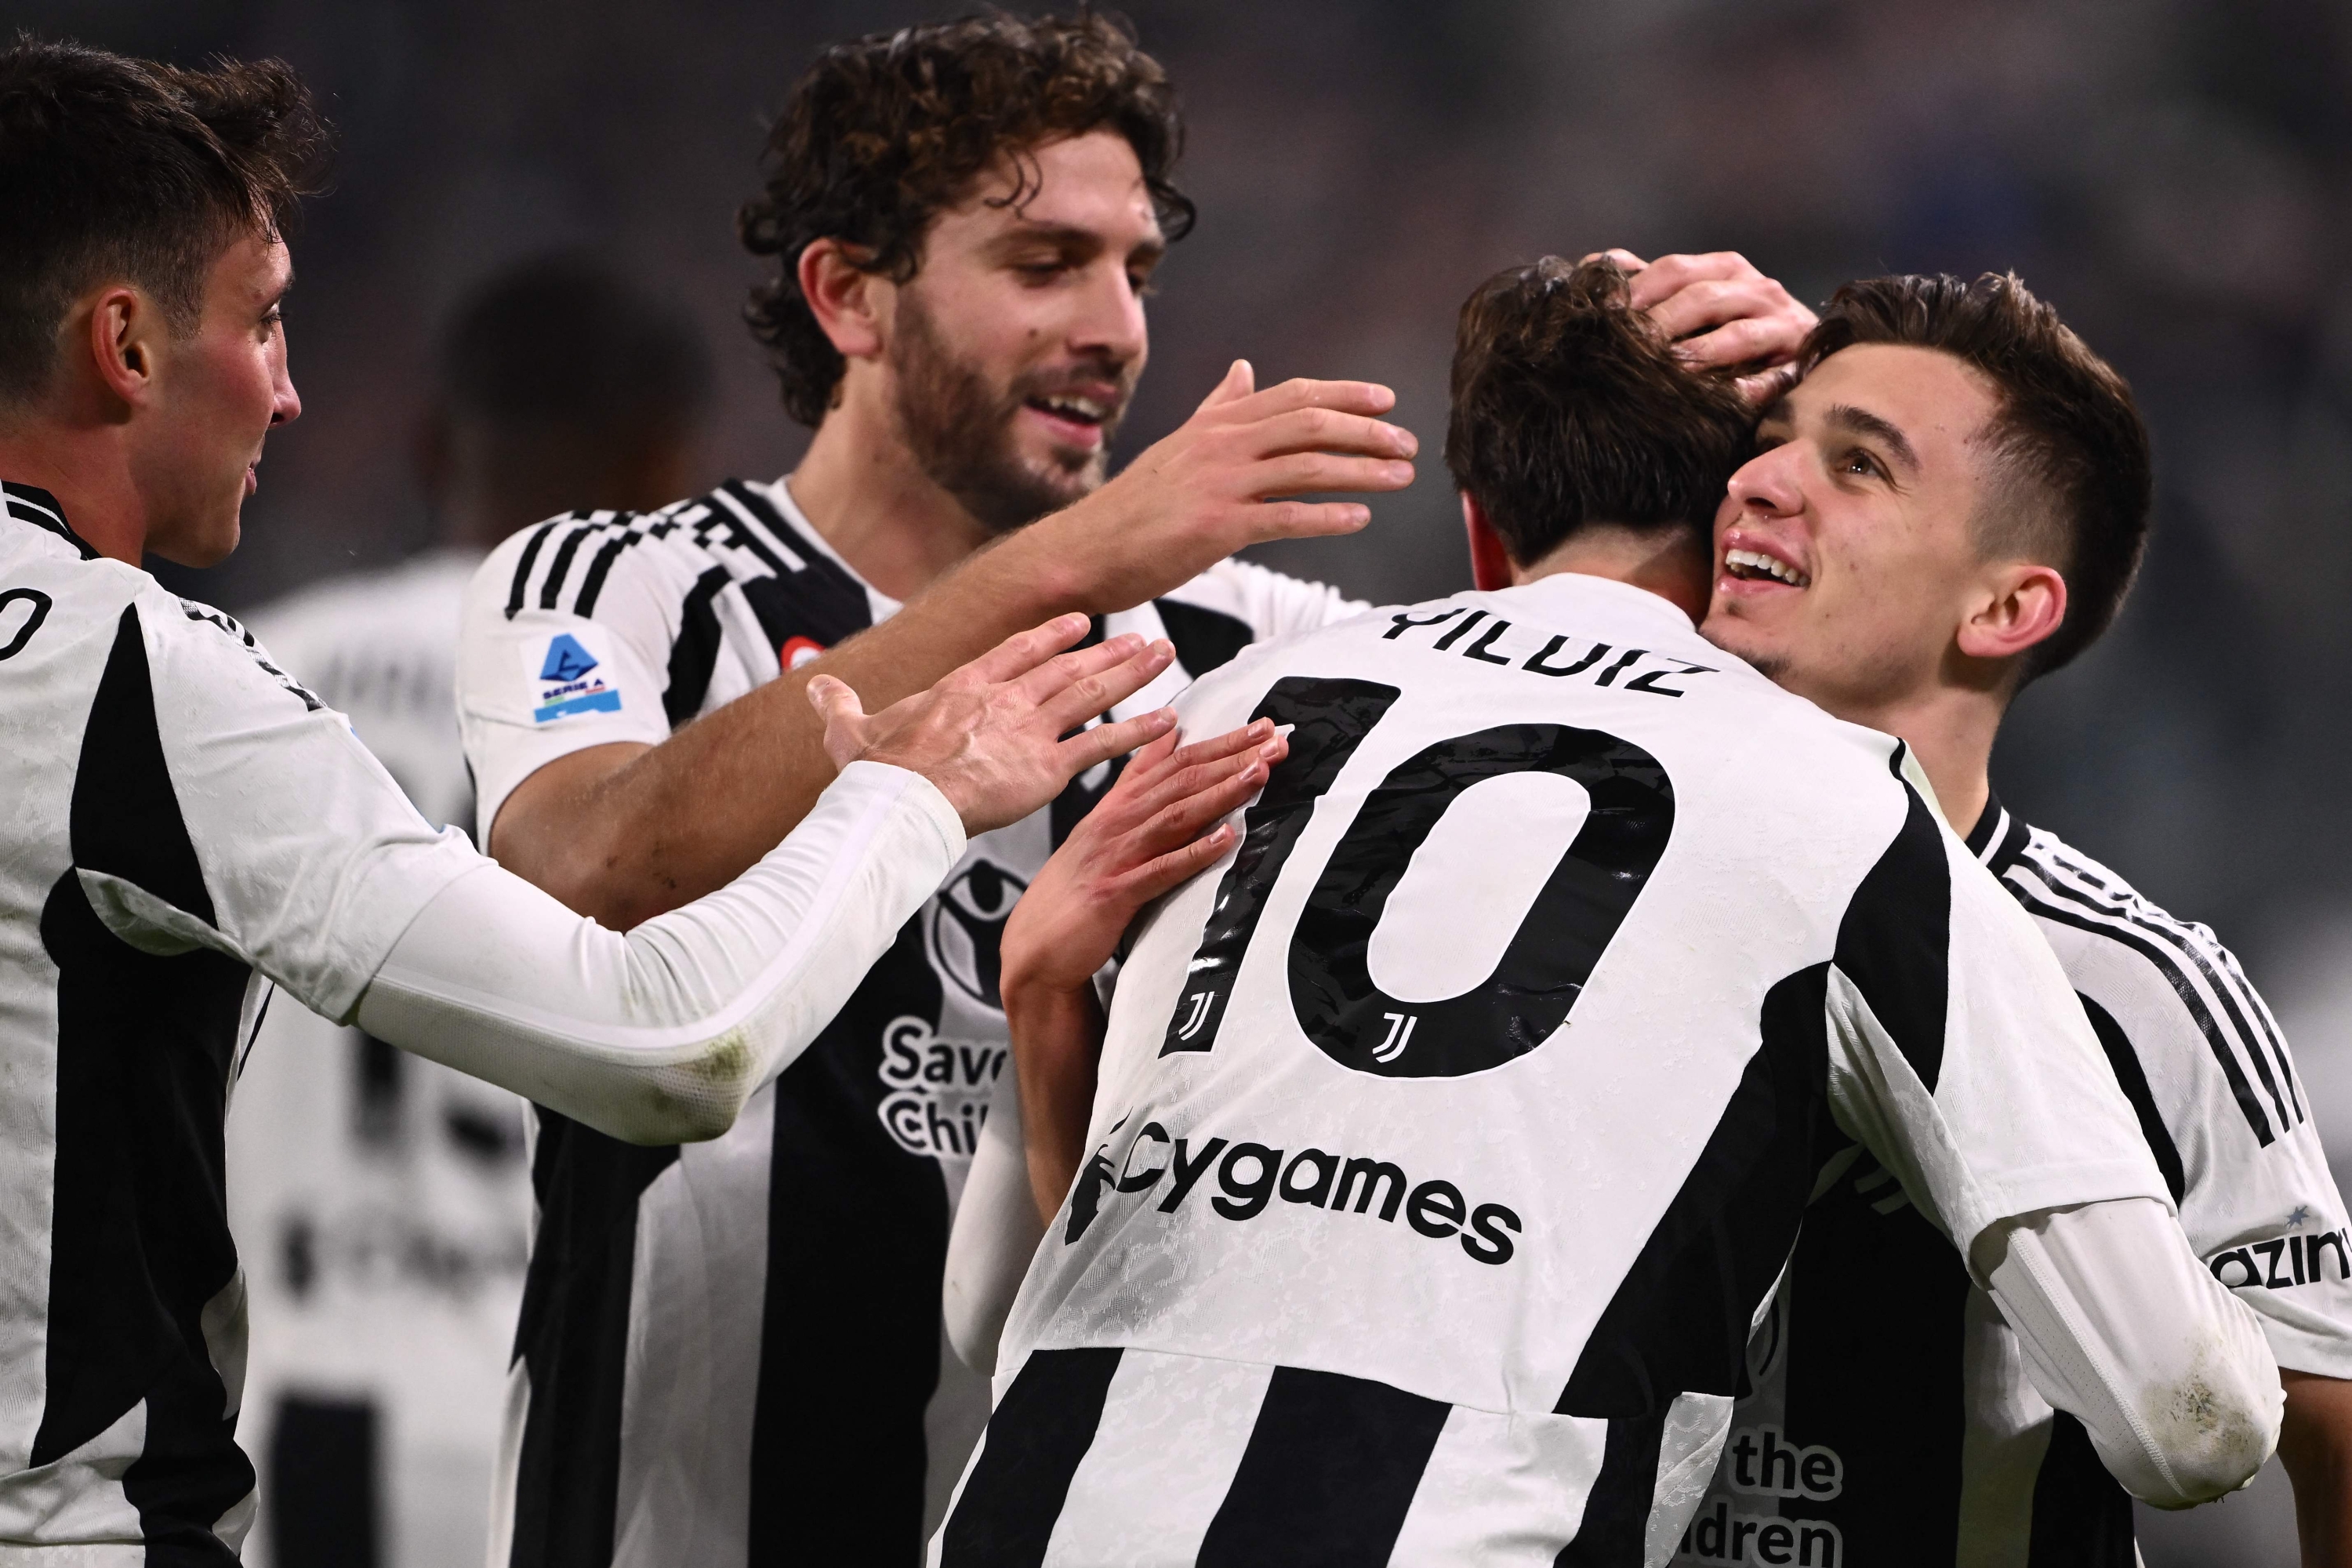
(568, 674)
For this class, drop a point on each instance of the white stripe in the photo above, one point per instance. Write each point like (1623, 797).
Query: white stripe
(1172, 1432)
(1696, 1425)
(697, 1296)
(791, 557)
(1998, 837)
(1502, 1490)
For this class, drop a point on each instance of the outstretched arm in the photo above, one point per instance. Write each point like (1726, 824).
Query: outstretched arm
(625, 831)
(659, 1036)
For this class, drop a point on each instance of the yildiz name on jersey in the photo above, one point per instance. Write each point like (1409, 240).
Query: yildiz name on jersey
(1765, 1465)
(1249, 1176)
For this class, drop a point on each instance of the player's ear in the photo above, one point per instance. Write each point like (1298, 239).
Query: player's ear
(1490, 562)
(2024, 603)
(842, 297)
(124, 333)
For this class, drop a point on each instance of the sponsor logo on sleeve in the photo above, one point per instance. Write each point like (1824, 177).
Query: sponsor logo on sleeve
(568, 676)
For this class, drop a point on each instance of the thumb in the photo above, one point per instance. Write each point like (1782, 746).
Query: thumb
(1239, 382)
(844, 717)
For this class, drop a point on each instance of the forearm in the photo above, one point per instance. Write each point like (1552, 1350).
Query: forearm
(2123, 1329)
(995, 1235)
(623, 843)
(1057, 1038)
(660, 1036)
(2315, 1447)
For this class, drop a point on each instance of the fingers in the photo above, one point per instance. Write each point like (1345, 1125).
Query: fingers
(1770, 340)
(1162, 771)
(1304, 519)
(1625, 259)
(843, 716)
(1058, 674)
(1240, 380)
(1021, 652)
(1320, 429)
(1670, 275)
(1345, 396)
(1095, 693)
(1762, 390)
(1308, 472)
(1104, 741)
(1153, 878)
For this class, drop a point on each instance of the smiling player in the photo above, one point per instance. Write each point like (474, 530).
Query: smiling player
(1950, 505)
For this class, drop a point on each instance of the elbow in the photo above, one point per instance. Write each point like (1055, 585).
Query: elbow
(690, 1101)
(2211, 1435)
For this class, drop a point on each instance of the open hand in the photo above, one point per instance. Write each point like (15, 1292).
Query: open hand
(1220, 480)
(1721, 312)
(991, 735)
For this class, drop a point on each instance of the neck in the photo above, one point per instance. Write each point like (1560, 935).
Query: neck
(84, 465)
(1951, 730)
(860, 487)
(1673, 563)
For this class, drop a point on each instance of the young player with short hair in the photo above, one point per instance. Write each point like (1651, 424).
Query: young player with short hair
(185, 825)
(1446, 1145)
(1951, 504)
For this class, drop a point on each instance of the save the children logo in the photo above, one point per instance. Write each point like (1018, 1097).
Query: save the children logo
(935, 1089)
(564, 679)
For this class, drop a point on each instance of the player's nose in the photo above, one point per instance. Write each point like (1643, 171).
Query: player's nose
(1111, 321)
(1770, 481)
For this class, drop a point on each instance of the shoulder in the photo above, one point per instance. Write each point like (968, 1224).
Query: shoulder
(197, 646)
(1270, 604)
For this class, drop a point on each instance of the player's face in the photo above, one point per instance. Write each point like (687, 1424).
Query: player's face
(216, 395)
(1844, 557)
(1015, 347)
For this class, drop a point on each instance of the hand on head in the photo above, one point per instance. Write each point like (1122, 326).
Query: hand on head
(1721, 312)
(992, 735)
(1222, 480)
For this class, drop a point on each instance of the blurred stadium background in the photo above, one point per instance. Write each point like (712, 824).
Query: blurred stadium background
(2176, 176)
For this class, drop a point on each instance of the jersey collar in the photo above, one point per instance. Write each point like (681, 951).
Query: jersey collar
(1570, 588)
(1997, 839)
(30, 503)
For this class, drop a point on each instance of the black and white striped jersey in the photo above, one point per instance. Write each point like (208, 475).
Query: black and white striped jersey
(1890, 1409)
(1451, 1134)
(181, 818)
(665, 1404)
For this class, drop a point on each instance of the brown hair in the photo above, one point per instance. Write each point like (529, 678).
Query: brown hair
(2072, 482)
(1570, 408)
(116, 168)
(882, 133)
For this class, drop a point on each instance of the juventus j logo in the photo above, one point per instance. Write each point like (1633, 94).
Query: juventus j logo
(1400, 1036)
(1200, 1000)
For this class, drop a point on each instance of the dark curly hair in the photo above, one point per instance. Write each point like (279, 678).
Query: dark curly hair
(1570, 408)
(112, 167)
(882, 133)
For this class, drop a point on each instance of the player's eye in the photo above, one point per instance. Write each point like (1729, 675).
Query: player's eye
(1862, 465)
(1142, 285)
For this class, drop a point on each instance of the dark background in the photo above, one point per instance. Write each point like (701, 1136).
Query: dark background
(2173, 176)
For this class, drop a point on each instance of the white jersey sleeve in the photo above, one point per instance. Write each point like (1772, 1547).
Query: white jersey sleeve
(536, 681)
(2222, 1106)
(1273, 603)
(311, 859)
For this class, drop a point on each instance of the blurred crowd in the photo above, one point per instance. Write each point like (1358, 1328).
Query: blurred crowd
(2171, 174)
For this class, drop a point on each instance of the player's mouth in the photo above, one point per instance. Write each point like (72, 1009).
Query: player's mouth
(1075, 419)
(1754, 565)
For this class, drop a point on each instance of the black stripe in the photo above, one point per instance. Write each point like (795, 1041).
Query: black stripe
(594, 583)
(572, 1338)
(1895, 942)
(2133, 1078)
(1205, 639)
(323, 1484)
(30, 503)
(522, 567)
(1678, 1323)
(1327, 1476)
(1979, 838)
(838, 1438)
(1614, 1530)
(748, 538)
(1040, 1430)
(139, 1233)
(695, 654)
(2060, 909)
(2012, 847)
(2187, 947)
(2081, 1519)
(561, 567)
